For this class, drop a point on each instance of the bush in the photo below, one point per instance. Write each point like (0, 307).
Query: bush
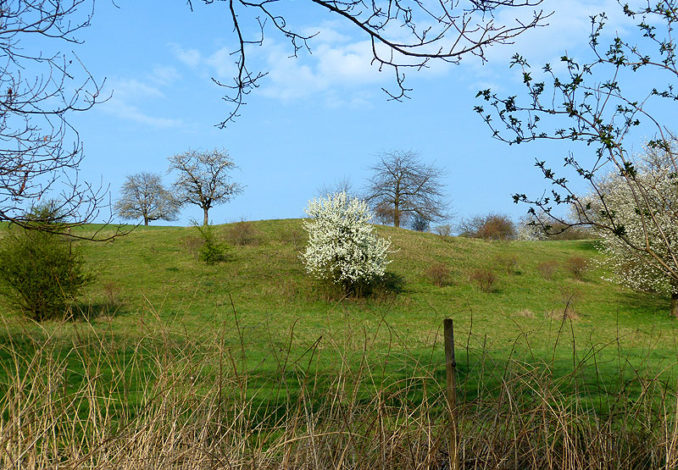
(41, 273)
(484, 278)
(212, 251)
(439, 274)
(547, 269)
(489, 227)
(243, 233)
(509, 263)
(341, 246)
(577, 266)
(420, 224)
(444, 230)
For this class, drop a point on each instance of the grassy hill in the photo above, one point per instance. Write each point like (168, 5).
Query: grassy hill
(172, 347)
(153, 275)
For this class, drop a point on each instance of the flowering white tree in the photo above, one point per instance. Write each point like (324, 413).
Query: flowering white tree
(342, 246)
(641, 252)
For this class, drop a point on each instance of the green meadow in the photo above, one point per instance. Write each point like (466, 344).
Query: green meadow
(261, 301)
(267, 367)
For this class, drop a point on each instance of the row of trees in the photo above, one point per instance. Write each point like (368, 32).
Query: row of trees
(203, 180)
(590, 102)
(402, 188)
(41, 86)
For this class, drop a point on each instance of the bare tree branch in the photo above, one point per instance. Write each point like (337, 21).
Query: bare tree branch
(405, 34)
(40, 151)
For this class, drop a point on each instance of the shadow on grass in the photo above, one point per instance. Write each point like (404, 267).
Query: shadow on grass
(92, 311)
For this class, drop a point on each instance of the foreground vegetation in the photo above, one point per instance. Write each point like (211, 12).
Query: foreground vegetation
(251, 364)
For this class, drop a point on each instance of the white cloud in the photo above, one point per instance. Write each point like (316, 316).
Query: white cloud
(129, 94)
(189, 57)
(336, 67)
(340, 65)
(221, 63)
(164, 75)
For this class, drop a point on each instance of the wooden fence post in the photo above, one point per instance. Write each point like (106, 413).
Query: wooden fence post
(450, 366)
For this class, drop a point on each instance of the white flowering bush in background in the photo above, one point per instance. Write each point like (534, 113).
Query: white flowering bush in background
(342, 247)
(644, 206)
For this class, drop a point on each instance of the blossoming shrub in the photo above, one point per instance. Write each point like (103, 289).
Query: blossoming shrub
(641, 248)
(641, 253)
(342, 247)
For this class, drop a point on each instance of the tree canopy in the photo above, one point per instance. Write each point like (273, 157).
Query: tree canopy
(143, 196)
(403, 186)
(203, 179)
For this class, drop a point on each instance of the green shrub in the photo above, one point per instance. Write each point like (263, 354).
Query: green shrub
(212, 250)
(41, 273)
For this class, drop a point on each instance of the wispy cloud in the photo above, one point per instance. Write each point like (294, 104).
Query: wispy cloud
(128, 95)
(340, 70)
(219, 63)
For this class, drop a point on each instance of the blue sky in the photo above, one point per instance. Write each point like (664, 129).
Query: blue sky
(315, 120)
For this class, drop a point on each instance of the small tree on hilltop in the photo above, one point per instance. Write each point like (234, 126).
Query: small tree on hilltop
(342, 247)
(203, 179)
(143, 196)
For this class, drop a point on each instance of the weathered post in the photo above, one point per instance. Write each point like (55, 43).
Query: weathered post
(450, 366)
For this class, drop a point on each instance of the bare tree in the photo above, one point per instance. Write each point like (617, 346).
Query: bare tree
(405, 35)
(402, 185)
(143, 195)
(40, 151)
(628, 88)
(204, 179)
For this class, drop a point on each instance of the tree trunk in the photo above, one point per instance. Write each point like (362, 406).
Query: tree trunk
(146, 221)
(396, 215)
(674, 304)
(205, 221)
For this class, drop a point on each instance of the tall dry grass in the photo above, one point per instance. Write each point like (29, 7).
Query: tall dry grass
(171, 402)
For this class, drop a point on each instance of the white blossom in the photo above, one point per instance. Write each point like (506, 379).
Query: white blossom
(644, 207)
(342, 247)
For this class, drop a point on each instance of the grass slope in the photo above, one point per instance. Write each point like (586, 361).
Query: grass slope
(262, 308)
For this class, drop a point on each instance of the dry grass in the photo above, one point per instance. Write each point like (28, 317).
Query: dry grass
(98, 404)
(577, 266)
(548, 269)
(243, 233)
(508, 263)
